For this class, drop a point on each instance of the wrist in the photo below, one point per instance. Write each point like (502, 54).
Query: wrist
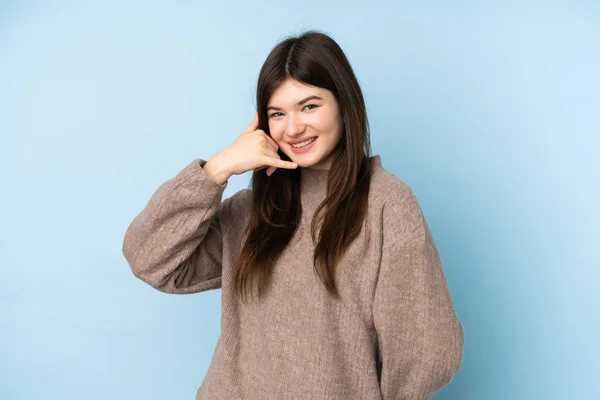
(215, 168)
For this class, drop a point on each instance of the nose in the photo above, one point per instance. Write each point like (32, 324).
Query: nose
(294, 126)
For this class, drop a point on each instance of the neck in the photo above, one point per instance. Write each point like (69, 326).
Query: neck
(313, 185)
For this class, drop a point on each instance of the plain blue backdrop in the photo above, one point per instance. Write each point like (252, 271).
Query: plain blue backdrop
(488, 110)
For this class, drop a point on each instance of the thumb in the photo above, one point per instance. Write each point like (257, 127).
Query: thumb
(253, 125)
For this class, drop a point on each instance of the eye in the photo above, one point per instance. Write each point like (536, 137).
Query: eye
(308, 105)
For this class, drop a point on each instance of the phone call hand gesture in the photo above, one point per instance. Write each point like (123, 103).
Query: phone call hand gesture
(254, 150)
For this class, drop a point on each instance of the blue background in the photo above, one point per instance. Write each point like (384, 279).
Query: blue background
(488, 110)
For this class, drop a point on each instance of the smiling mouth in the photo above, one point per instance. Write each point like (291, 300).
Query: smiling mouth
(305, 143)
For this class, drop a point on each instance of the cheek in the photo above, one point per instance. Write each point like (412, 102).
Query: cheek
(326, 124)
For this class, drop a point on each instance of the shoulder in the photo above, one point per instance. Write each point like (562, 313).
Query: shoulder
(401, 214)
(237, 205)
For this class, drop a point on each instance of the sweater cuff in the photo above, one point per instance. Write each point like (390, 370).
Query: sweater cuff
(195, 170)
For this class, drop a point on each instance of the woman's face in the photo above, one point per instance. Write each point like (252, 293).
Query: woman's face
(294, 116)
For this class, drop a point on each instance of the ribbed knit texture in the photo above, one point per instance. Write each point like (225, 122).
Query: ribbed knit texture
(394, 335)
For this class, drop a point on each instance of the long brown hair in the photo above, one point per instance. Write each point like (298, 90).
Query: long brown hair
(315, 59)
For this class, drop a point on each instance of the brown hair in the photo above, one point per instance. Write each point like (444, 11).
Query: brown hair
(315, 59)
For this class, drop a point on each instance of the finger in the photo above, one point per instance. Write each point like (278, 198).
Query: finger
(269, 142)
(274, 156)
(253, 125)
(270, 146)
(279, 163)
(272, 141)
(271, 170)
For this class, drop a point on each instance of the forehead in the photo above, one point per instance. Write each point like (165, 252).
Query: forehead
(290, 91)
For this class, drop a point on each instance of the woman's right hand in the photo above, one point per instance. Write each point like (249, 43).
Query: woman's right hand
(253, 150)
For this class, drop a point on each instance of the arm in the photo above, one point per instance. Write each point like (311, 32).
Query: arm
(175, 244)
(420, 339)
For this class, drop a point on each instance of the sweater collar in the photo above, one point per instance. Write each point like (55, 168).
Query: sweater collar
(313, 184)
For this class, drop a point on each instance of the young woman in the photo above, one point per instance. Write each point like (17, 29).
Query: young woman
(348, 296)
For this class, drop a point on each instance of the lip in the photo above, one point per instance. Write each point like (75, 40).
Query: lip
(305, 148)
(300, 140)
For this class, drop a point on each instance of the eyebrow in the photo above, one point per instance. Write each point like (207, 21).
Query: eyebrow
(313, 97)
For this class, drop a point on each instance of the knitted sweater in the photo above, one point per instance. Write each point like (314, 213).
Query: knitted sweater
(394, 335)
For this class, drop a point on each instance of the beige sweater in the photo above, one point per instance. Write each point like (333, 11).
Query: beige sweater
(395, 335)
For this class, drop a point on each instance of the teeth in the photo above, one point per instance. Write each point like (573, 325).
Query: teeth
(304, 143)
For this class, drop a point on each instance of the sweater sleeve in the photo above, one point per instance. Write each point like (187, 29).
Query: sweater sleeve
(420, 339)
(175, 243)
